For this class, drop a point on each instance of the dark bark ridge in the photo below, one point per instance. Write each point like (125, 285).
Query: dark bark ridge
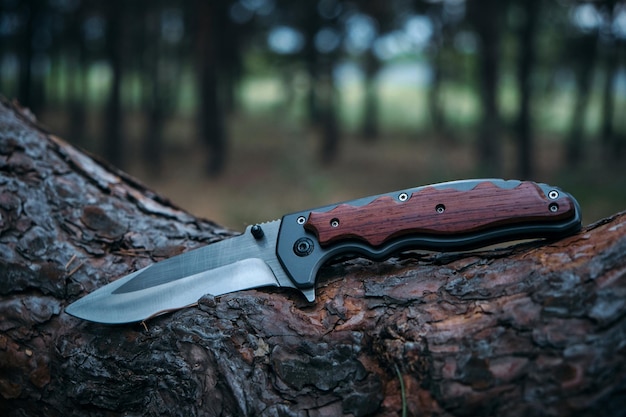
(534, 329)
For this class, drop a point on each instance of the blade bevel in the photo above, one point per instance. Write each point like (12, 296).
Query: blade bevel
(233, 264)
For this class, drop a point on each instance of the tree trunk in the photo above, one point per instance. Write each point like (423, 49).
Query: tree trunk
(31, 83)
(330, 133)
(612, 47)
(486, 17)
(533, 329)
(585, 58)
(311, 57)
(210, 117)
(78, 70)
(114, 141)
(160, 81)
(370, 123)
(526, 63)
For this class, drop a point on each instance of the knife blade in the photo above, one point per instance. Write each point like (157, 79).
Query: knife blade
(450, 216)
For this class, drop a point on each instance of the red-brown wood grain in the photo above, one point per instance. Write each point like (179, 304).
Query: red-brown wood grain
(483, 207)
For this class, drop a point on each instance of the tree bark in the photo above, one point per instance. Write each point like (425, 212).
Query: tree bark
(533, 329)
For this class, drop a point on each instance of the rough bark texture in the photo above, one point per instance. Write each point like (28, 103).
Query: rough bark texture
(536, 329)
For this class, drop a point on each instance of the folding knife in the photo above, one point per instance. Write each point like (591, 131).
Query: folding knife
(449, 216)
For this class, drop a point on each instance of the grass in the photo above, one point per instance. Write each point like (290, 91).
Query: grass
(402, 391)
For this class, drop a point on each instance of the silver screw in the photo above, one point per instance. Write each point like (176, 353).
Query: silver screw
(554, 207)
(301, 220)
(440, 208)
(403, 197)
(334, 223)
(553, 195)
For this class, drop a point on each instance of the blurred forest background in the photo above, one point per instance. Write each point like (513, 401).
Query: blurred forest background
(243, 110)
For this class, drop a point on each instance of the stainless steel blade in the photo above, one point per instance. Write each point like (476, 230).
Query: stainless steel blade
(234, 264)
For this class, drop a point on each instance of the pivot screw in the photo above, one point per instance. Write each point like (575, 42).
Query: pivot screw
(303, 246)
(301, 220)
(553, 195)
(257, 231)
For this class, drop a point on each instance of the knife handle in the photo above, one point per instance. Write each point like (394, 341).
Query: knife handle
(456, 215)
(435, 211)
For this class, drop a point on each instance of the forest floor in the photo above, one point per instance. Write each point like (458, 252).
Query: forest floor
(273, 169)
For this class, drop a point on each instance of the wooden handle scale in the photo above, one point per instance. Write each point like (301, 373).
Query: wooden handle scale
(450, 216)
(433, 210)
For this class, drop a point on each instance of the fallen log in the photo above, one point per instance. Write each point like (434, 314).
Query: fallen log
(532, 329)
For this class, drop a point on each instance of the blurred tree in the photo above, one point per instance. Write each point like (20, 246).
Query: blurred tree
(582, 53)
(327, 41)
(310, 21)
(232, 46)
(381, 19)
(162, 36)
(448, 18)
(32, 43)
(77, 67)
(115, 38)
(438, 43)
(330, 125)
(209, 17)
(487, 16)
(612, 45)
(530, 10)
(156, 92)
(370, 122)
(319, 21)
